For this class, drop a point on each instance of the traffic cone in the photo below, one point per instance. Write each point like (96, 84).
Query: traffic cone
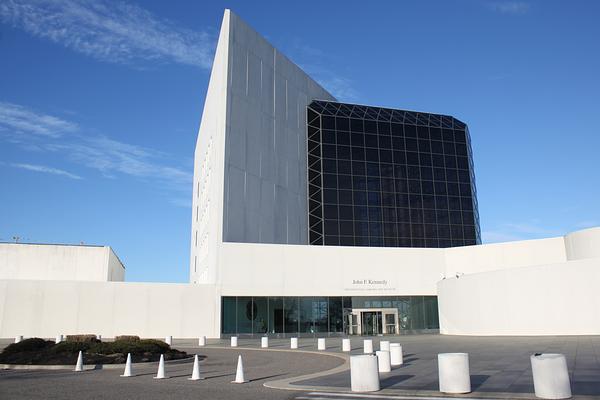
(196, 370)
(79, 365)
(239, 373)
(127, 373)
(161, 368)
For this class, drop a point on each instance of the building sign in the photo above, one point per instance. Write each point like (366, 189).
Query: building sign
(369, 284)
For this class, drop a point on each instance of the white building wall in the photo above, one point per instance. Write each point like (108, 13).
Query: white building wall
(35, 308)
(59, 262)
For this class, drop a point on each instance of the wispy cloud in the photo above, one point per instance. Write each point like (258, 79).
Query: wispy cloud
(509, 7)
(46, 170)
(16, 120)
(110, 31)
(511, 231)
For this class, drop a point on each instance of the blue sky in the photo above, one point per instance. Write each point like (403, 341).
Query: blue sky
(100, 103)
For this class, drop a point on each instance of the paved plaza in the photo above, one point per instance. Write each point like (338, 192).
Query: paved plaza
(499, 368)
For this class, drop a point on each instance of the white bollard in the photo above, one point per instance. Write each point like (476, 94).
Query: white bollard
(59, 338)
(79, 365)
(234, 341)
(453, 370)
(202, 341)
(364, 373)
(368, 346)
(383, 361)
(321, 344)
(346, 345)
(396, 356)
(384, 345)
(18, 338)
(99, 337)
(127, 373)
(264, 342)
(160, 374)
(550, 376)
(169, 340)
(294, 343)
(239, 373)
(196, 370)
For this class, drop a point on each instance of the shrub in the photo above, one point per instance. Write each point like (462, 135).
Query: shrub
(129, 338)
(33, 344)
(127, 346)
(70, 347)
(82, 338)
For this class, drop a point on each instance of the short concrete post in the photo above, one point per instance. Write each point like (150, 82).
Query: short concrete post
(79, 365)
(293, 343)
(368, 346)
(196, 370)
(202, 341)
(59, 338)
(264, 342)
(18, 338)
(364, 373)
(160, 374)
(99, 337)
(453, 369)
(169, 340)
(346, 345)
(383, 361)
(321, 344)
(127, 373)
(239, 373)
(550, 376)
(384, 345)
(234, 341)
(396, 356)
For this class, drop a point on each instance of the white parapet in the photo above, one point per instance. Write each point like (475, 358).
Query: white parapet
(321, 344)
(264, 342)
(202, 341)
(384, 345)
(396, 356)
(364, 373)
(346, 345)
(234, 341)
(294, 343)
(453, 369)
(367, 346)
(383, 361)
(550, 376)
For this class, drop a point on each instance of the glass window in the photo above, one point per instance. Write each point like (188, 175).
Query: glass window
(261, 315)
(228, 315)
(245, 314)
(291, 314)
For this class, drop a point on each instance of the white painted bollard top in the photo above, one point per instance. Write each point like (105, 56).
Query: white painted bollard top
(368, 346)
(383, 361)
(234, 341)
(264, 342)
(321, 344)
(294, 343)
(346, 345)
(550, 376)
(364, 373)
(453, 369)
(396, 356)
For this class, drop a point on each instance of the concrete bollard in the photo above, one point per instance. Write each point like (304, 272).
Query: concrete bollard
(384, 345)
(99, 337)
(160, 374)
(239, 373)
(550, 376)
(264, 342)
(18, 338)
(59, 338)
(127, 373)
(202, 341)
(346, 345)
(196, 370)
(294, 343)
(79, 365)
(234, 341)
(321, 344)
(364, 373)
(383, 361)
(169, 340)
(396, 356)
(368, 346)
(453, 370)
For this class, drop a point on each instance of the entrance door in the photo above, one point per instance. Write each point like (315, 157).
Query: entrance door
(371, 323)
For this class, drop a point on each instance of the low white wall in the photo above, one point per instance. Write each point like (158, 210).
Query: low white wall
(554, 299)
(583, 244)
(59, 262)
(150, 310)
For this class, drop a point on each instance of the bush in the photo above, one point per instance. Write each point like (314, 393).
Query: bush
(128, 338)
(82, 338)
(33, 344)
(70, 347)
(133, 347)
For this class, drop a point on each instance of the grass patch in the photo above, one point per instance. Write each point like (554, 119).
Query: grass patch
(37, 351)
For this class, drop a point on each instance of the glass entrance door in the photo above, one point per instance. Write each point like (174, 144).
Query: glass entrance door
(371, 323)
